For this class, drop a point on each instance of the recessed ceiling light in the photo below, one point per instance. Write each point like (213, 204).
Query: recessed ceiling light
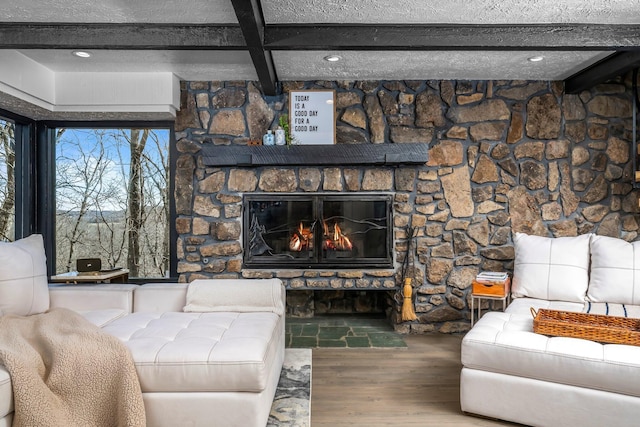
(535, 58)
(81, 53)
(332, 58)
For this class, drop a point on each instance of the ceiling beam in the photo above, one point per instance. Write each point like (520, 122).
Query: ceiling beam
(120, 36)
(453, 37)
(249, 16)
(612, 66)
(318, 37)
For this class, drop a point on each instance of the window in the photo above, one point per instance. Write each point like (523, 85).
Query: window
(112, 199)
(7, 180)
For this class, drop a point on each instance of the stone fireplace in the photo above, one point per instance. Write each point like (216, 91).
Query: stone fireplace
(503, 157)
(291, 222)
(327, 220)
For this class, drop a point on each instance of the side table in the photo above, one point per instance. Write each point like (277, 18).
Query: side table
(506, 300)
(115, 276)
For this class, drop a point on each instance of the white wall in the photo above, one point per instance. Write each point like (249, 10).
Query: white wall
(128, 92)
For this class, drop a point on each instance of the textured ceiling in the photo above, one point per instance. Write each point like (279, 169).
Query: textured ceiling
(439, 65)
(327, 11)
(310, 65)
(119, 11)
(452, 11)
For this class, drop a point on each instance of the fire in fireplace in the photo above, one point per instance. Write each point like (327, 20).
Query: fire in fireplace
(318, 231)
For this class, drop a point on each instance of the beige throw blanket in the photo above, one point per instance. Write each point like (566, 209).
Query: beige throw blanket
(67, 372)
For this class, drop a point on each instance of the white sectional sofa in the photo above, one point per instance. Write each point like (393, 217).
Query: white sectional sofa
(206, 354)
(511, 373)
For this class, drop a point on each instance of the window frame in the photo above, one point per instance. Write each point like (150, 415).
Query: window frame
(46, 142)
(25, 173)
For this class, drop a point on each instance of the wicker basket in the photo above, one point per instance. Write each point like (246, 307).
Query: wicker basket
(594, 327)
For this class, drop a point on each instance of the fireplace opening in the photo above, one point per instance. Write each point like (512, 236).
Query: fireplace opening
(317, 231)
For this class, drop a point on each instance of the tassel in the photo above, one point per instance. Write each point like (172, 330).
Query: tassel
(407, 303)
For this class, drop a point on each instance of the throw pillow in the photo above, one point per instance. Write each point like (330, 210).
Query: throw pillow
(239, 295)
(615, 271)
(555, 269)
(23, 276)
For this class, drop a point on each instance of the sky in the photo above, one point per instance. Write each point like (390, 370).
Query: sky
(96, 162)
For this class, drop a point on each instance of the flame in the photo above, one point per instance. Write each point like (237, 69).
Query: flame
(335, 241)
(342, 242)
(295, 244)
(302, 239)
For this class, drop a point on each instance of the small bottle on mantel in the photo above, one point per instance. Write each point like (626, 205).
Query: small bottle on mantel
(280, 136)
(268, 139)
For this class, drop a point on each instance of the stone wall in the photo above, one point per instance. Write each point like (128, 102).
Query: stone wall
(505, 157)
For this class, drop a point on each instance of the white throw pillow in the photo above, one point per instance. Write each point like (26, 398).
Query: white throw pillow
(235, 295)
(23, 276)
(555, 269)
(615, 271)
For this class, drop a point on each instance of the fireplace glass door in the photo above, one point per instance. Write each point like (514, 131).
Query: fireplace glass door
(317, 231)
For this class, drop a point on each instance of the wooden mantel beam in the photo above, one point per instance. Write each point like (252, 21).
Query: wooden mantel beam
(307, 155)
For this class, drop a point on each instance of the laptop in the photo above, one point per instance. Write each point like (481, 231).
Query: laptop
(84, 265)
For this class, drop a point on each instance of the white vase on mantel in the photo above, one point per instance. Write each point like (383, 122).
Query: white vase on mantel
(280, 136)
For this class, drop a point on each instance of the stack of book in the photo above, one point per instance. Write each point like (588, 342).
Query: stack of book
(492, 277)
(491, 283)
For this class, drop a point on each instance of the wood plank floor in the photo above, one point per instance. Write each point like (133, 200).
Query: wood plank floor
(416, 386)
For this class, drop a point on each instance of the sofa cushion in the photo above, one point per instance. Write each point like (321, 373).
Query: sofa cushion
(6, 393)
(524, 305)
(240, 295)
(551, 268)
(202, 352)
(105, 296)
(615, 271)
(612, 309)
(23, 277)
(160, 297)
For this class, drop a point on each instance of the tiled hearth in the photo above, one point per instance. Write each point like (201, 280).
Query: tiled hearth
(346, 331)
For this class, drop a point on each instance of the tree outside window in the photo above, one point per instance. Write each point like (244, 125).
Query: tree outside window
(112, 199)
(7, 180)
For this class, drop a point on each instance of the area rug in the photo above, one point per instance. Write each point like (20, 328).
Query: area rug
(292, 403)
